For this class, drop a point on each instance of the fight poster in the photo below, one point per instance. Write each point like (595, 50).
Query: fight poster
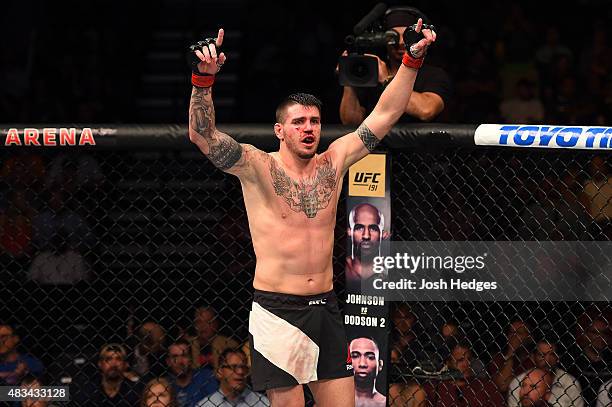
(366, 316)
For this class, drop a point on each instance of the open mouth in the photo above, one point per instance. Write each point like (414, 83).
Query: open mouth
(308, 141)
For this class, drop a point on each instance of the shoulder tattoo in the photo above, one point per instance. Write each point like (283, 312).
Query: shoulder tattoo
(370, 141)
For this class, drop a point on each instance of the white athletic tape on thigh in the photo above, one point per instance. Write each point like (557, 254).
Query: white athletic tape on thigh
(284, 345)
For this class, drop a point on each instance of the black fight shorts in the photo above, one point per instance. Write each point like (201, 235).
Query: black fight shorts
(296, 340)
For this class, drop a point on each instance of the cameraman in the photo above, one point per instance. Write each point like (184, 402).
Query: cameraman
(432, 88)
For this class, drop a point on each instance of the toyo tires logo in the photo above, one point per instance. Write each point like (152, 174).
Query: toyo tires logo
(580, 137)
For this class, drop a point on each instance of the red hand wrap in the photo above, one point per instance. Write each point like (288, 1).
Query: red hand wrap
(202, 81)
(411, 62)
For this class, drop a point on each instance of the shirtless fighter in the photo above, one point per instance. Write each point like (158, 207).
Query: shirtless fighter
(296, 330)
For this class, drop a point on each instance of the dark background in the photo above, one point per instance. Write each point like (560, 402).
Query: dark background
(123, 62)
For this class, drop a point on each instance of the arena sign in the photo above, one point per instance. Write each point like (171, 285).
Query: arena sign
(49, 137)
(521, 135)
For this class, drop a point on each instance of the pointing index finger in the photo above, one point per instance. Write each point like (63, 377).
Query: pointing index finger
(219, 38)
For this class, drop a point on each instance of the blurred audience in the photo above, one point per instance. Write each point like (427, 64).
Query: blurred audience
(15, 365)
(525, 106)
(233, 391)
(59, 263)
(208, 344)
(148, 354)
(565, 390)
(32, 382)
(515, 359)
(535, 388)
(111, 385)
(465, 390)
(158, 393)
(190, 385)
(590, 359)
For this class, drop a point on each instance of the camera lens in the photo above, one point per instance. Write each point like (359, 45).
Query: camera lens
(359, 70)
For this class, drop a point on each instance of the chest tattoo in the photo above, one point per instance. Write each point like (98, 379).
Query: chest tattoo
(308, 195)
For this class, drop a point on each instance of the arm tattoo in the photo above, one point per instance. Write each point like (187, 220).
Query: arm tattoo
(370, 141)
(223, 151)
(306, 195)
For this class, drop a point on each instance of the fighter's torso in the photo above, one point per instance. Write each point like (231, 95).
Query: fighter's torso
(292, 221)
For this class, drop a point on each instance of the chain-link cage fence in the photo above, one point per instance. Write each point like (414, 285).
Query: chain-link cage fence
(147, 248)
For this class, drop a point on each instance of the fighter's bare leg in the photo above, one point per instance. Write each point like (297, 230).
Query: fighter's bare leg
(292, 396)
(334, 392)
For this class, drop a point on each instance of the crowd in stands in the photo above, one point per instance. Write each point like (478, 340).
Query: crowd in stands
(440, 368)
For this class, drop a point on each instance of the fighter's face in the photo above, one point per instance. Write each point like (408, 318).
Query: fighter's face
(365, 357)
(300, 130)
(366, 233)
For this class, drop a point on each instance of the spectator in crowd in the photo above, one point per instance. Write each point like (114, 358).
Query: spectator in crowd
(450, 333)
(432, 89)
(16, 225)
(604, 395)
(32, 382)
(405, 349)
(597, 191)
(405, 354)
(535, 388)
(158, 392)
(590, 359)
(149, 353)
(365, 356)
(208, 344)
(596, 55)
(232, 373)
(110, 386)
(13, 364)
(409, 395)
(525, 107)
(466, 390)
(565, 390)
(56, 215)
(478, 87)
(74, 172)
(59, 263)
(23, 169)
(189, 385)
(551, 49)
(516, 358)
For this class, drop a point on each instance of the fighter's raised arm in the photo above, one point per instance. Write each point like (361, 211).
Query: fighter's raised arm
(390, 107)
(222, 150)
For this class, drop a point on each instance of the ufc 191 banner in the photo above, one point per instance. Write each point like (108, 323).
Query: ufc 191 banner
(366, 317)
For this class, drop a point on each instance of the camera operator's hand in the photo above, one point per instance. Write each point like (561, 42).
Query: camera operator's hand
(419, 48)
(206, 51)
(383, 71)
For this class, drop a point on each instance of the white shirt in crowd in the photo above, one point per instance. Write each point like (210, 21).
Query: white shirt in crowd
(604, 397)
(566, 391)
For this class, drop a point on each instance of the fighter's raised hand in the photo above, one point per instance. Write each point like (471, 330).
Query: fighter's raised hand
(418, 38)
(206, 58)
